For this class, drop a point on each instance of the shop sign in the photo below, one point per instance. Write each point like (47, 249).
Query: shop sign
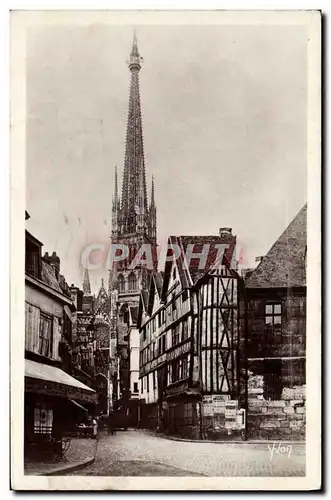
(182, 349)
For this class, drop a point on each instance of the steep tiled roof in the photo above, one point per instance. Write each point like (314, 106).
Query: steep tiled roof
(285, 263)
(198, 243)
(189, 273)
(48, 276)
(158, 278)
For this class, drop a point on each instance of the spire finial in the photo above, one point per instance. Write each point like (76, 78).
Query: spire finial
(135, 59)
(134, 43)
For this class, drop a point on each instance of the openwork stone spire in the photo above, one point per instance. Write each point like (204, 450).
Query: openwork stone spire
(134, 203)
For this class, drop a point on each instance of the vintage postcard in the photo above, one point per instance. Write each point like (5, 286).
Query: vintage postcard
(165, 270)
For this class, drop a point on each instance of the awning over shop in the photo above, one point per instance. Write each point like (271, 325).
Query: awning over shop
(53, 381)
(77, 404)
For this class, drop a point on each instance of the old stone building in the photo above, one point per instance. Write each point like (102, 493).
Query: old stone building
(53, 396)
(189, 340)
(275, 321)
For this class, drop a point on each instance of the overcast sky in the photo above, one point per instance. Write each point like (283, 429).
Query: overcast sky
(224, 120)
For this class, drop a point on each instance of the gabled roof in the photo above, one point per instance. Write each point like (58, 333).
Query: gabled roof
(285, 263)
(190, 273)
(158, 279)
(155, 286)
(142, 306)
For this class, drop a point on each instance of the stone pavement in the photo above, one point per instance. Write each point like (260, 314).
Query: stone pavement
(81, 451)
(138, 453)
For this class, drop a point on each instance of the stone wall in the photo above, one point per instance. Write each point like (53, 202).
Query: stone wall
(282, 419)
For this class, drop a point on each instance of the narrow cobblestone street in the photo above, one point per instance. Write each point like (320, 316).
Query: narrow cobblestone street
(139, 453)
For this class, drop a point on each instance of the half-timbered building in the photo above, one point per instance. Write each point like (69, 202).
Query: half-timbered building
(189, 339)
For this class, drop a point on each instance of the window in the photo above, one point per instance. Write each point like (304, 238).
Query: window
(141, 386)
(176, 335)
(147, 380)
(154, 381)
(67, 327)
(273, 322)
(43, 421)
(174, 307)
(45, 335)
(121, 283)
(32, 257)
(135, 386)
(32, 264)
(144, 333)
(273, 314)
(163, 343)
(175, 370)
(185, 330)
(184, 368)
(184, 295)
(174, 274)
(132, 282)
(168, 374)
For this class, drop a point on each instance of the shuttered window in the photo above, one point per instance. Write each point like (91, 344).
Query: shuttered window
(45, 335)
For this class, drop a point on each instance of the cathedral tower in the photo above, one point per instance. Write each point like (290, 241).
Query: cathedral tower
(133, 219)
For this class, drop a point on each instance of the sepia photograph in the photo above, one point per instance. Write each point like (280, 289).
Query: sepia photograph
(165, 329)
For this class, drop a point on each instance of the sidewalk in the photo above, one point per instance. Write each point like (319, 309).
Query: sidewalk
(81, 453)
(221, 441)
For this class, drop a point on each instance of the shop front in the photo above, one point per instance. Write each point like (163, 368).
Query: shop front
(55, 403)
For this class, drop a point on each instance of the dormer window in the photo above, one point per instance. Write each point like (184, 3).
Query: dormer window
(32, 256)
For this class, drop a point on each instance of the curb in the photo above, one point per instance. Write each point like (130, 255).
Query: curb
(227, 441)
(68, 468)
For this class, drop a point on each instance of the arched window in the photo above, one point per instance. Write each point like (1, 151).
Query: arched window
(132, 282)
(121, 283)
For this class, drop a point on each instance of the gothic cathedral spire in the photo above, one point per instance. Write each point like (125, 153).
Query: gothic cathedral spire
(86, 283)
(134, 217)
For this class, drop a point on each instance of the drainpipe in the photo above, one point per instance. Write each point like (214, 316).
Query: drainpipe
(199, 333)
(245, 356)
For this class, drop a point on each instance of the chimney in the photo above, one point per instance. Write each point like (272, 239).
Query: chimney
(259, 258)
(225, 231)
(54, 261)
